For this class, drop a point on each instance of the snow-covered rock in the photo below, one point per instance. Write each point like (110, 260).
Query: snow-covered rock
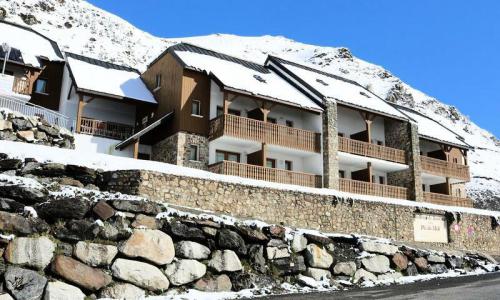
(345, 268)
(380, 248)
(124, 291)
(318, 257)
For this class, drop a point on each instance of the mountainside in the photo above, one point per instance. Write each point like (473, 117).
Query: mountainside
(84, 29)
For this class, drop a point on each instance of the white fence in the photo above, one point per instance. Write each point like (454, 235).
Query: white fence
(32, 110)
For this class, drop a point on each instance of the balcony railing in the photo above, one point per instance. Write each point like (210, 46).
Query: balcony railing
(259, 131)
(443, 199)
(373, 189)
(445, 168)
(21, 86)
(105, 129)
(371, 150)
(267, 174)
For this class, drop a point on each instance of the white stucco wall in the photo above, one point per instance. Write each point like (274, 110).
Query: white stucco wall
(348, 169)
(351, 122)
(94, 144)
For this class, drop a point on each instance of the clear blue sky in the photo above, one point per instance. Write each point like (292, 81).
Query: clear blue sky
(449, 49)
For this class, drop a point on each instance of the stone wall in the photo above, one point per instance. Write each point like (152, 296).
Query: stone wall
(306, 210)
(63, 242)
(175, 150)
(20, 128)
(330, 146)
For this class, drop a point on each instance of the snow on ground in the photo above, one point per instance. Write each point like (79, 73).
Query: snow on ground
(111, 163)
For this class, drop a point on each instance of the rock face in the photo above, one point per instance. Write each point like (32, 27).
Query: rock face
(400, 261)
(140, 274)
(221, 283)
(345, 268)
(225, 261)
(299, 243)
(191, 250)
(24, 284)
(80, 274)
(123, 291)
(380, 248)
(95, 255)
(64, 208)
(153, 245)
(58, 290)
(363, 275)
(185, 271)
(318, 257)
(377, 264)
(231, 240)
(32, 252)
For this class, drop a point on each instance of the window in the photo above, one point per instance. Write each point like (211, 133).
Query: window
(196, 108)
(289, 123)
(423, 187)
(288, 165)
(220, 111)
(41, 86)
(380, 143)
(381, 180)
(271, 163)
(193, 152)
(341, 173)
(157, 82)
(341, 134)
(226, 155)
(271, 120)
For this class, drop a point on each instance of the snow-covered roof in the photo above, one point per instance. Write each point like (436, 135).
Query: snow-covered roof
(433, 130)
(336, 88)
(242, 76)
(27, 45)
(107, 79)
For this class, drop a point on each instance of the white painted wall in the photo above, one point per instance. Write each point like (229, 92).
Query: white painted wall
(348, 169)
(351, 122)
(94, 144)
(6, 83)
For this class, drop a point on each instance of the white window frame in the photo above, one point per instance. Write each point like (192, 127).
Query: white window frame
(45, 89)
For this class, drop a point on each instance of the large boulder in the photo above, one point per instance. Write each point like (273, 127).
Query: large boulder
(64, 208)
(24, 284)
(31, 252)
(363, 275)
(380, 248)
(10, 164)
(434, 258)
(58, 290)
(83, 174)
(345, 268)
(123, 291)
(10, 205)
(5, 124)
(77, 230)
(185, 232)
(140, 274)
(95, 255)
(411, 270)
(257, 259)
(23, 193)
(103, 210)
(289, 265)
(318, 274)
(231, 240)
(438, 269)
(454, 262)
(318, 257)
(299, 243)
(221, 283)
(5, 296)
(253, 235)
(145, 222)
(421, 264)
(225, 261)
(400, 261)
(191, 250)
(317, 239)
(138, 206)
(378, 264)
(391, 277)
(185, 271)
(79, 273)
(20, 225)
(277, 252)
(50, 170)
(26, 135)
(152, 245)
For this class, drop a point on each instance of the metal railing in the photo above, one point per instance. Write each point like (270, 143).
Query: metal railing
(105, 129)
(267, 174)
(264, 132)
(371, 150)
(33, 110)
(443, 199)
(373, 189)
(445, 168)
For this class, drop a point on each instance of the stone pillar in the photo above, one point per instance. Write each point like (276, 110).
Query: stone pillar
(175, 150)
(404, 136)
(330, 146)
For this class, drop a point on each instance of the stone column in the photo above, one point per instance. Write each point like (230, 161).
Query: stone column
(404, 136)
(330, 146)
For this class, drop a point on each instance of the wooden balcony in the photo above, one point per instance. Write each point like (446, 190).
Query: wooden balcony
(21, 86)
(105, 129)
(371, 150)
(445, 168)
(267, 174)
(373, 189)
(443, 199)
(259, 131)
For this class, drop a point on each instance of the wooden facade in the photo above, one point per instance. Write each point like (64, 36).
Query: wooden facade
(443, 199)
(52, 72)
(373, 189)
(371, 150)
(445, 168)
(105, 129)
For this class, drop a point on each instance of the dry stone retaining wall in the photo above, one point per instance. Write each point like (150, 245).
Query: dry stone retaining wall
(305, 210)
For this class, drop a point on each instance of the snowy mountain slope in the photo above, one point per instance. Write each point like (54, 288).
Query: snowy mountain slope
(84, 29)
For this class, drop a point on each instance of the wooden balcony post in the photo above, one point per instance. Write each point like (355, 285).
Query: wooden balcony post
(226, 102)
(136, 148)
(264, 154)
(370, 172)
(81, 105)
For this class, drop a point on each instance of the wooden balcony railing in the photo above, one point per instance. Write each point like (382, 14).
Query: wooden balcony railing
(263, 132)
(443, 199)
(373, 189)
(21, 86)
(267, 174)
(445, 168)
(371, 150)
(105, 129)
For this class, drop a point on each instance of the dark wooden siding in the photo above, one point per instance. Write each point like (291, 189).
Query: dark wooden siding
(195, 86)
(53, 73)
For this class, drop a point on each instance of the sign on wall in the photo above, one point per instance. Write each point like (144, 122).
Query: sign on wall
(430, 228)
